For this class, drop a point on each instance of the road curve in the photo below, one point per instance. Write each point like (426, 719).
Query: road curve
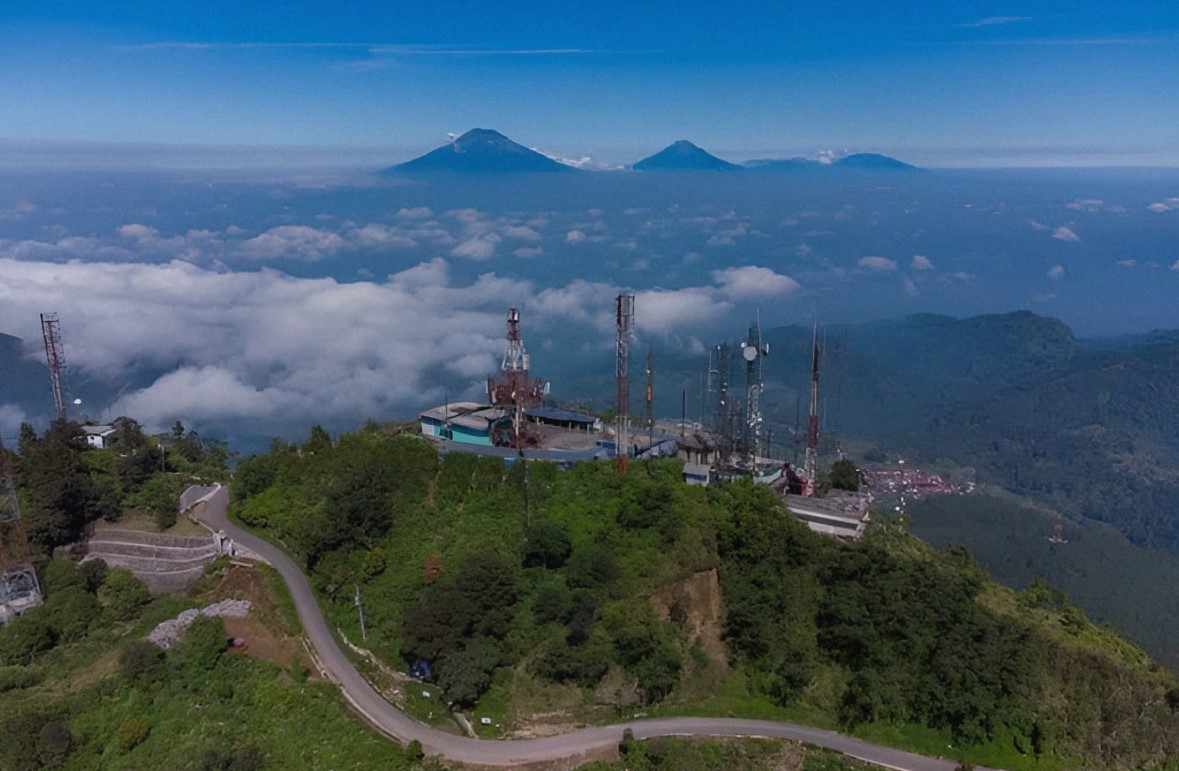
(488, 752)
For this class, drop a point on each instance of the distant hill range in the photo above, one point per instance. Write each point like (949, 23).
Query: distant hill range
(684, 156)
(486, 151)
(481, 151)
(857, 161)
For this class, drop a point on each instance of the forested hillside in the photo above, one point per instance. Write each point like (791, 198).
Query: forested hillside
(527, 590)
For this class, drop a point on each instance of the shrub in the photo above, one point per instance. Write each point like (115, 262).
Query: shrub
(56, 739)
(124, 594)
(26, 636)
(414, 751)
(93, 574)
(131, 733)
(141, 662)
(15, 677)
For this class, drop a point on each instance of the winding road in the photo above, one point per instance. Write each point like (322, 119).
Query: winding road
(487, 752)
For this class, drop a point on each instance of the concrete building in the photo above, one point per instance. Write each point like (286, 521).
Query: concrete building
(99, 437)
(463, 422)
(839, 513)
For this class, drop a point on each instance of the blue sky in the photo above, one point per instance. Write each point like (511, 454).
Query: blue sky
(967, 83)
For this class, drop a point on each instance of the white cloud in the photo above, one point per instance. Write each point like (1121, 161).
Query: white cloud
(1175, 265)
(415, 213)
(292, 242)
(1037, 225)
(751, 282)
(520, 232)
(875, 263)
(1063, 233)
(527, 252)
(1085, 204)
(1158, 207)
(378, 235)
(910, 288)
(1056, 272)
(992, 21)
(477, 248)
(19, 211)
(138, 232)
(574, 237)
(1128, 263)
(921, 262)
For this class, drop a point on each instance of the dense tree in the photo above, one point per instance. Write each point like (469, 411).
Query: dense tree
(845, 475)
(547, 544)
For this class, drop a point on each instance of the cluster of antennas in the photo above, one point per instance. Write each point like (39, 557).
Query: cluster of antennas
(514, 387)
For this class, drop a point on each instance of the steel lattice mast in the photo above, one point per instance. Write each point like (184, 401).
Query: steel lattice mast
(515, 387)
(19, 589)
(753, 351)
(55, 357)
(811, 464)
(625, 320)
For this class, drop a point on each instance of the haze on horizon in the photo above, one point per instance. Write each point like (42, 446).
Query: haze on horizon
(964, 84)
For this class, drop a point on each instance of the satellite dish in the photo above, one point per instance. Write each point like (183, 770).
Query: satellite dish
(749, 352)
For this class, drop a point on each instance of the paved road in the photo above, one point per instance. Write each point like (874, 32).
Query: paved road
(396, 724)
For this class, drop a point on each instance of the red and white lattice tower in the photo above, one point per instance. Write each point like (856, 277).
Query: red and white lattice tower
(55, 357)
(515, 388)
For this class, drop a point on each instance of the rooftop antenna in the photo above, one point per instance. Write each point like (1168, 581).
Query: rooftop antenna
(625, 320)
(55, 357)
(811, 462)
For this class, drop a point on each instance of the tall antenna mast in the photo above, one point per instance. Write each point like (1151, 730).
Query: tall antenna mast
(811, 464)
(650, 416)
(515, 388)
(625, 323)
(753, 351)
(55, 357)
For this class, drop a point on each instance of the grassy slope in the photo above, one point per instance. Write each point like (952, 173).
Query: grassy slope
(1111, 578)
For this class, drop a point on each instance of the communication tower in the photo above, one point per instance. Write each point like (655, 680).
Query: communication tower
(19, 590)
(514, 388)
(811, 462)
(753, 351)
(650, 394)
(625, 322)
(55, 357)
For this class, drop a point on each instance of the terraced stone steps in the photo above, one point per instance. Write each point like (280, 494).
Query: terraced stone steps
(166, 563)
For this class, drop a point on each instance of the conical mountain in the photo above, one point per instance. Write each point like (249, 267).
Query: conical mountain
(480, 151)
(684, 156)
(873, 161)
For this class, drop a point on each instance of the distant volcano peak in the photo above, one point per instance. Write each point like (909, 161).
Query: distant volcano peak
(682, 155)
(480, 151)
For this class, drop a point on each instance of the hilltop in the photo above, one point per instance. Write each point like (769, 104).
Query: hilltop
(856, 161)
(481, 151)
(604, 595)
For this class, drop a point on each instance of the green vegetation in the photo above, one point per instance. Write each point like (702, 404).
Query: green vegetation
(1112, 579)
(65, 484)
(102, 697)
(525, 586)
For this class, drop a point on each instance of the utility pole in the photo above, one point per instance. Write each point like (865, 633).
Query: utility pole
(360, 609)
